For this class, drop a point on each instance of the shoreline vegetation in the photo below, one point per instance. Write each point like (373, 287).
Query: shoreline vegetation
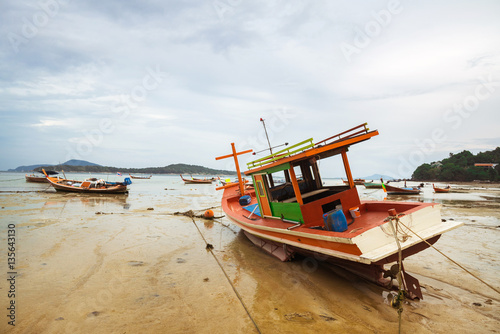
(462, 167)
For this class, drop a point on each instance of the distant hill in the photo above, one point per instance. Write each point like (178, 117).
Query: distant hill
(78, 166)
(72, 162)
(377, 177)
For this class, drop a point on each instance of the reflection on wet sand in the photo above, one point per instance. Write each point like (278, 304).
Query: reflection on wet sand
(94, 201)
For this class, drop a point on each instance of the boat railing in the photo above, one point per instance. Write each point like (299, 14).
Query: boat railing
(286, 152)
(357, 130)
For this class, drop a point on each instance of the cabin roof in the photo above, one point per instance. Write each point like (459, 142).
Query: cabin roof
(307, 149)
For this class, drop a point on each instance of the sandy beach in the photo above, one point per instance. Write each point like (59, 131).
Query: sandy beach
(128, 264)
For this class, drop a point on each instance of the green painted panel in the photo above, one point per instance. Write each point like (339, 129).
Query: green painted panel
(277, 168)
(289, 210)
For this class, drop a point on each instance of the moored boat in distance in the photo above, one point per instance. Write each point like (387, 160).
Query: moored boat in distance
(39, 178)
(329, 222)
(140, 177)
(441, 190)
(197, 180)
(93, 186)
(392, 190)
(372, 185)
(358, 182)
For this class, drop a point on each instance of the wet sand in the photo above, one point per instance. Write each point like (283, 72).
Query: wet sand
(110, 264)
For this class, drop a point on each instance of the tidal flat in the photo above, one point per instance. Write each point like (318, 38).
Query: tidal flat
(129, 264)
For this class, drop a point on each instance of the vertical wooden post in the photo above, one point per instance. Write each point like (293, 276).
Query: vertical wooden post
(240, 181)
(295, 185)
(347, 168)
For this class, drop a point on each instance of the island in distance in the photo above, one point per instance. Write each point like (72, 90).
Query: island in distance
(85, 166)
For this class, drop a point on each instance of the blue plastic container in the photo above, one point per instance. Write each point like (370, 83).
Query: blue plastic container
(245, 200)
(335, 221)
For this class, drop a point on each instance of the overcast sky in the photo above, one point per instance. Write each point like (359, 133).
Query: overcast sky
(152, 83)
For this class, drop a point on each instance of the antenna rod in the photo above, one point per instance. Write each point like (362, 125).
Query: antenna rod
(268, 142)
(254, 153)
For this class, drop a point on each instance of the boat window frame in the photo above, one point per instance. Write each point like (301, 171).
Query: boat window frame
(260, 188)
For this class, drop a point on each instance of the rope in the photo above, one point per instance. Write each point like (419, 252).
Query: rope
(209, 247)
(11, 180)
(398, 302)
(23, 191)
(458, 264)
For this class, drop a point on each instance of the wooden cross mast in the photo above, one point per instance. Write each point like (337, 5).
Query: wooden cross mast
(235, 156)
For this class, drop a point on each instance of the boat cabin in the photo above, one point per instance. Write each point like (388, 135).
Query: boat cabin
(301, 195)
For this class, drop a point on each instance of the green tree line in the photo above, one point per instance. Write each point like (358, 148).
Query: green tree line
(460, 167)
(170, 169)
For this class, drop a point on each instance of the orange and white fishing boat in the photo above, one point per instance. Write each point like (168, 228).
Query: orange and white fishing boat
(40, 178)
(89, 186)
(304, 216)
(194, 180)
(441, 190)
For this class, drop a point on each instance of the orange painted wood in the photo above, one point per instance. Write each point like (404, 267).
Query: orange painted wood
(263, 198)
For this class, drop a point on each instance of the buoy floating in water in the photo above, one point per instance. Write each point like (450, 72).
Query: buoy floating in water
(208, 214)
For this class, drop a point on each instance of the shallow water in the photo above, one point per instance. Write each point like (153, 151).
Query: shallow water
(126, 263)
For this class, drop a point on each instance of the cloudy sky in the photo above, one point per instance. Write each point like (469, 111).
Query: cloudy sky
(150, 83)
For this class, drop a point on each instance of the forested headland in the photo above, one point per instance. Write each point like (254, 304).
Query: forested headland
(462, 167)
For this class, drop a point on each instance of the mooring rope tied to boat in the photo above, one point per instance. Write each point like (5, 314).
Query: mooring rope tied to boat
(398, 301)
(450, 259)
(209, 247)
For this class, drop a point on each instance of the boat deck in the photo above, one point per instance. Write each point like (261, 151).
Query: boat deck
(373, 213)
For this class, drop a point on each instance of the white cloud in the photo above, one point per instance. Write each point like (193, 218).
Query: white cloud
(225, 70)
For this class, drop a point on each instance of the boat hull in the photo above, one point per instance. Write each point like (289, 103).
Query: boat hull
(368, 240)
(108, 189)
(391, 190)
(441, 190)
(373, 185)
(140, 177)
(38, 179)
(197, 181)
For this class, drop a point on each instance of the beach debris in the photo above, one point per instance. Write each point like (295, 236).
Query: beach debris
(58, 319)
(327, 318)
(188, 213)
(135, 263)
(93, 314)
(209, 247)
(180, 260)
(150, 208)
(489, 302)
(208, 214)
(206, 279)
(191, 214)
(477, 304)
(302, 317)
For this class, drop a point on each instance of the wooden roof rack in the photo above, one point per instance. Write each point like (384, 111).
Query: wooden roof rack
(286, 152)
